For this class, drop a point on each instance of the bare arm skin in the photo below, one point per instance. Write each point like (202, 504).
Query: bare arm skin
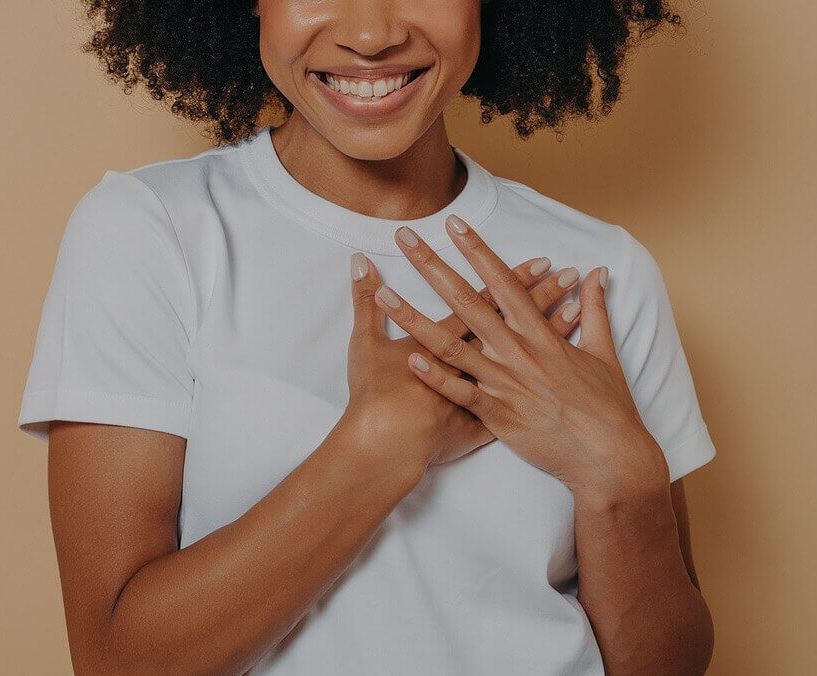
(679, 508)
(136, 604)
(638, 584)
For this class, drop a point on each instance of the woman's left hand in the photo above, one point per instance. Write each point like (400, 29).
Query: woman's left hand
(567, 410)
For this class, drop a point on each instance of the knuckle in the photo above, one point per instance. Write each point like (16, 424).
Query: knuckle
(453, 348)
(506, 276)
(440, 379)
(409, 317)
(363, 297)
(474, 398)
(545, 297)
(488, 297)
(597, 303)
(465, 295)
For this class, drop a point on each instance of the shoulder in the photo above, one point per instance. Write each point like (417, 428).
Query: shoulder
(162, 205)
(637, 296)
(580, 232)
(182, 183)
(158, 188)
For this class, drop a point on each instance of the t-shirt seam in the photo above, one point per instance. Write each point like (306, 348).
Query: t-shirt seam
(126, 395)
(268, 192)
(194, 328)
(218, 150)
(518, 187)
(689, 437)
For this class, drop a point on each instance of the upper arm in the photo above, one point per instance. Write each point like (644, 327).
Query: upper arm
(679, 506)
(654, 362)
(114, 495)
(117, 321)
(110, 388)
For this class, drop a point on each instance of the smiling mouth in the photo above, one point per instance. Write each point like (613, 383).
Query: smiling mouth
(323, 77)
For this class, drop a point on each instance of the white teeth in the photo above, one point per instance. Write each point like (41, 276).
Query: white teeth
(366, 89)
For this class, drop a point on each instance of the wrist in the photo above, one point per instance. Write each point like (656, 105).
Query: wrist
(608, 498)
(376, 450)
(639, 474)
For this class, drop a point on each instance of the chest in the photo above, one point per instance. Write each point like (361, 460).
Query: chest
(271, 382)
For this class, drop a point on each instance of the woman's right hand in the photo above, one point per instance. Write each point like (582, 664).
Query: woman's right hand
(394, 412)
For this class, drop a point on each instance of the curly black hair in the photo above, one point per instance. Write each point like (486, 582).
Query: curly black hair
(535, 58)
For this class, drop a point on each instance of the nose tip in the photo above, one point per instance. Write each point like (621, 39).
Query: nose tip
(370, 28)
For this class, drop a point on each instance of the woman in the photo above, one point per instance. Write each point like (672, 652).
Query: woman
(249, 473)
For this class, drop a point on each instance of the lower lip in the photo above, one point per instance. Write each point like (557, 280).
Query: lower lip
(373, 107)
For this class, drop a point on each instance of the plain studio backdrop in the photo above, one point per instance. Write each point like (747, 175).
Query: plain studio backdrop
(708, 159)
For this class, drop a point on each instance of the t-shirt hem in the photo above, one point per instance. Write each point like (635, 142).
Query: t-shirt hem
(694, 452)
(39, 408)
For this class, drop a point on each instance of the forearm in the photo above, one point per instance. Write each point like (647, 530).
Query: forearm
(219, 604)
(647, 615)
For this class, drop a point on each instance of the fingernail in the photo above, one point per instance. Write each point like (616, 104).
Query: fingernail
(571, 311)
(407, 235)
(567, 277)
(420, 364)
(360, 266)
(603, 277)
(540, 266)
(456, 224)
(388, 296)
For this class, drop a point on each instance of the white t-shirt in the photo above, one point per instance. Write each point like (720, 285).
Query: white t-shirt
(209, 297)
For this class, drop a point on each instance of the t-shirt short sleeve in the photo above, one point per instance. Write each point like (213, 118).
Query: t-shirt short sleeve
(116, 323)
(655, 365)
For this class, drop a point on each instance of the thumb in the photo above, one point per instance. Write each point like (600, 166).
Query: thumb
(596, 336)
(370, 320)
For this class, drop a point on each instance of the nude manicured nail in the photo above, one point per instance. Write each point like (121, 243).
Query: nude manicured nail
(360, 266)
(567, 277)
(388, 296)
(456, 224)
(420, 364)
(407, 235)
(603, 277)
(571, 311)
(540, 266)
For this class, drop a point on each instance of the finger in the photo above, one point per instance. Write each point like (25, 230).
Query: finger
(553, 288)
(519, 311)
(547, 293)
(369, 319)
(529, 273)
(596, 337)
(458, 390)
(560, 321)
(444, 345)
(566, 318)
(461, 297)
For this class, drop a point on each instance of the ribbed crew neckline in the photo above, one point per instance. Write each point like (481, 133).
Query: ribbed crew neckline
(474, 203)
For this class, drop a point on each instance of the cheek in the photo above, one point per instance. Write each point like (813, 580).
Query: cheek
(281, 39)
(453, 28)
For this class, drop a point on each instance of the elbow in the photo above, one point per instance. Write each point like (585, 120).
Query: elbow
(682, 647)
(696, 644)
(705, 645)
(126, 649)
(114, 651)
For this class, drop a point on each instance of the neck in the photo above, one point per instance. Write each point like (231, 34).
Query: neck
(414, 184)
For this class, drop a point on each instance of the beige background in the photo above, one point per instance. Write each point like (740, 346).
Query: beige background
(709, 160)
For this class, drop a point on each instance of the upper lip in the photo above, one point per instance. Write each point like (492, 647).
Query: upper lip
(372, 73)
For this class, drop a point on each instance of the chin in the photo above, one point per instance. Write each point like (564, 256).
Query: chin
(373, 143)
